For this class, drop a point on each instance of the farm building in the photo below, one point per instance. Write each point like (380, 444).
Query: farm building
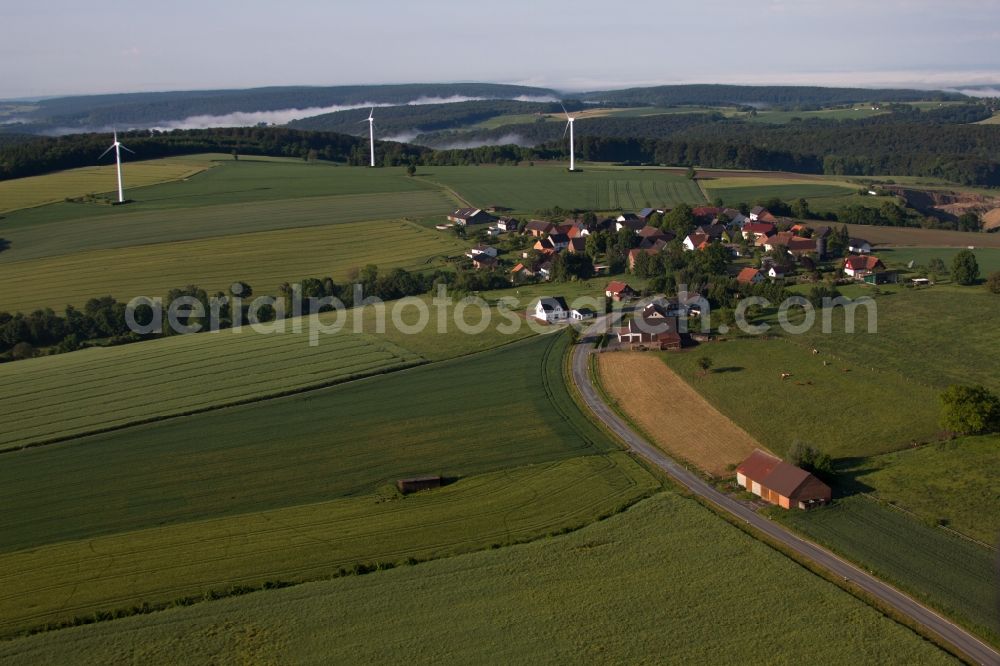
(778, 482)
(466, 216)
(407, 486)
(551, 309)
(619, 291)
(882, 277)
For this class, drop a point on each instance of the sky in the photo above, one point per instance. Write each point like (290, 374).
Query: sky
(58, 47)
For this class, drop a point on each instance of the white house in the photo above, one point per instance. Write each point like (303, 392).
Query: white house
(581, 314)
(551, 309)
(488, 250)
(776, 272)
(507, 224)
(859, 246)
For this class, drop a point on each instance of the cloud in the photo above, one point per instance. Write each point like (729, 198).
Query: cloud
(504, 140)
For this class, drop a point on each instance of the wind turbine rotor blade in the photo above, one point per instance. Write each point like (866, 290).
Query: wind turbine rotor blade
(565, 129)
(107, 151)
(564, 109)
(122, 146)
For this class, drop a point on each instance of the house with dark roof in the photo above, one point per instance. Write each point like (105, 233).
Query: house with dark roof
(507, 224)
(859, 246)
(538, 228)
(559, 241)
(480, 261)
(780, 483)
(632, 223)
(651, 327)
(696, 241)
(551, 309)
(466, 216)
(577, 245)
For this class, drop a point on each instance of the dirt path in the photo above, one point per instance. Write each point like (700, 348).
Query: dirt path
(672, 413)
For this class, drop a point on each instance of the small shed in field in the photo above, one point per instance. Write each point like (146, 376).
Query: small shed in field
(417, 483)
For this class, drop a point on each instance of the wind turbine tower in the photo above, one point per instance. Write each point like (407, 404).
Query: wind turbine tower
(569, 127)
(118, 147)
(371, 136)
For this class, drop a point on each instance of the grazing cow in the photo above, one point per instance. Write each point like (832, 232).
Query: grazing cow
(786, 375)
(815, 351)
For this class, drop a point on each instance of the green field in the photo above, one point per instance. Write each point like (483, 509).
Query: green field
(784, 117)
(322, 445)
(821, 405)
(527, 188)
(92, 390)
(952, 483)
(232, 198)
(642, 586)
(953, 574)
(313, 541)
(50, 188)
(935, 337)
(734, 191)
(898, 257)
(264, 259)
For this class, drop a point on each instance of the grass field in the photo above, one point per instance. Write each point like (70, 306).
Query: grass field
(898, 257)
(929, 238)
(645, 585)
(55, 397)
(54, 187)
(734, 190)
(318, 446)
(526, 188)
(820, 405)
(951, 482)
(954, 574)
(313, 541)
(934, 337)
(672, 413)
(784, 117)
(264, 259)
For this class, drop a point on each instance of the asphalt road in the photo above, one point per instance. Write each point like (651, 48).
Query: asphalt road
(948, 631)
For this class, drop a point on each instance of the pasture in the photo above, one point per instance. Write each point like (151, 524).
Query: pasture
(264, 259)
(667, 570)
(671, 413)
(843, 408)
(934, 337)
(953, 482)
(899, 257)
(313, 541)
(530, 188)
(346, 440)
(54, 187)
(952, 574)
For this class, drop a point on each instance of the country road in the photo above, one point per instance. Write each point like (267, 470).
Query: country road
(949, 632)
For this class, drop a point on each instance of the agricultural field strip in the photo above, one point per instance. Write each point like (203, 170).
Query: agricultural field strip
(261, 258)
(34, 240)
(71, 393)
(954, 574)
(312, 540)
(275, 454)
(33, 191)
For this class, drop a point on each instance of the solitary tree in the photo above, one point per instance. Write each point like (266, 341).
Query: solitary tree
(993, 282)
(411, 170)
(691, 173)
(965, 268)
(970, 410)
(705, 363)
(810, 458)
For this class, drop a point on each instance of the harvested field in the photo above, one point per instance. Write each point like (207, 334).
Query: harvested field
(673, 414)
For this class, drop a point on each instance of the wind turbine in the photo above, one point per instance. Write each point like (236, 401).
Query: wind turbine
(371, 135)
(569, 126)
(118, 147)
